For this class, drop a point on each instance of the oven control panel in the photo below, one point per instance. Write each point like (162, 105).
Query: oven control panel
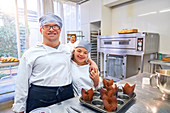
(140, 44)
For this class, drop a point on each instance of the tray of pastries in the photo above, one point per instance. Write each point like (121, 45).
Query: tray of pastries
(8, 59)
(167, 59)
(128, 31)
(108, 99)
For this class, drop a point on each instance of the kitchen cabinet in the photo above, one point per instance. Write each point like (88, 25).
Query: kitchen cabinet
(90, 13)
(95, 10)
(111, 3)
(85, 13)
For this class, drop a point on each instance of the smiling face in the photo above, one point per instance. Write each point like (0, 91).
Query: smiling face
(50, 36)
(73, 39)
(80, 55)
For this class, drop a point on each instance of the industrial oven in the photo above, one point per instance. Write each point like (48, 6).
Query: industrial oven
(124, 55)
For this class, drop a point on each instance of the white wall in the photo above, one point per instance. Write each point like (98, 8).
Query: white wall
(106, 26)
(95, 10)
(85, 19)
(90, 12)
(131, 15)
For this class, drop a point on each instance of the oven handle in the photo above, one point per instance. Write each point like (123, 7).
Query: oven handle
(116, 40)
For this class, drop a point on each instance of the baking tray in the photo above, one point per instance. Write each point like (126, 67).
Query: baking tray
(128, 33)
(123, 100)
(166, 59)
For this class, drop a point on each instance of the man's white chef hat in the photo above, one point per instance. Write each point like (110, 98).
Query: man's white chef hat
(50, 18)
(86, 44)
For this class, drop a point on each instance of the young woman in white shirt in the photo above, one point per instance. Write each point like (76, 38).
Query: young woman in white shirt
(80, 69)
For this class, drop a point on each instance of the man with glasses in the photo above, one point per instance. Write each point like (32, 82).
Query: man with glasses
(44, 71)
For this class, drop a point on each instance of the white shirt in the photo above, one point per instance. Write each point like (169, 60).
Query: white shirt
(72, 45)
(81, 78)
(44, 66)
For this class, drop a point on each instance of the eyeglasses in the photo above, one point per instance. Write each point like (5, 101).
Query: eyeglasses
(47, 27)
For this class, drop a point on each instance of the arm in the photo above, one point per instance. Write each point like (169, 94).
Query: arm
(93, 65)
(22, 86)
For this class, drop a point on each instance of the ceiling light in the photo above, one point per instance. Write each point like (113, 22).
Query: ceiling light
(166, 10)
(145, 14)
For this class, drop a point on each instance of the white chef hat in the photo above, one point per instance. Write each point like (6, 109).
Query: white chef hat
(50, 18)
(86, 44)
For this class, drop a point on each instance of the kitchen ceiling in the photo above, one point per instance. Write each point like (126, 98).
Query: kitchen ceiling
(78, 1)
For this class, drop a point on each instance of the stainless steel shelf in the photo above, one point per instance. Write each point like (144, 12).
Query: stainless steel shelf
(79, 36)
(94, 36)
(9, 64)
(154, 63)
(160, 62)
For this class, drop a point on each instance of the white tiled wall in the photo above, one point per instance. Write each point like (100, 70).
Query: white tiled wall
(146, 16)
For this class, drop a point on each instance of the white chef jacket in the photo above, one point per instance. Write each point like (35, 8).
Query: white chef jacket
(72, 45)
(44, 66)
(81, 78)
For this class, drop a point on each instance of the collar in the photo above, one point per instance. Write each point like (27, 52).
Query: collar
(57, 46)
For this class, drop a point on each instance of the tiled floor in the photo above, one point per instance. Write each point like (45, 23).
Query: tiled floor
(6, 111)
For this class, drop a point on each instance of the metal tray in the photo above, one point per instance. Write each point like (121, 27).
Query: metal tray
(123, 100)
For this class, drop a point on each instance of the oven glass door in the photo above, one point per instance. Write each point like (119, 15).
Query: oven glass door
(115, 66)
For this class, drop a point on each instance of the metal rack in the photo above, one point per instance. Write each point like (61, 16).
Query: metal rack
(93, 40)
(79, 35)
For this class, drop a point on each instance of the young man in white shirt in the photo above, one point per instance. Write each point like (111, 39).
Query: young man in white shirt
(44, 71)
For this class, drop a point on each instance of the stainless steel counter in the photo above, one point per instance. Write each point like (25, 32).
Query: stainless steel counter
(147, 100)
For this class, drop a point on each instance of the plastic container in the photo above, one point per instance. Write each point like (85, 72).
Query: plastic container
(160, 56)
